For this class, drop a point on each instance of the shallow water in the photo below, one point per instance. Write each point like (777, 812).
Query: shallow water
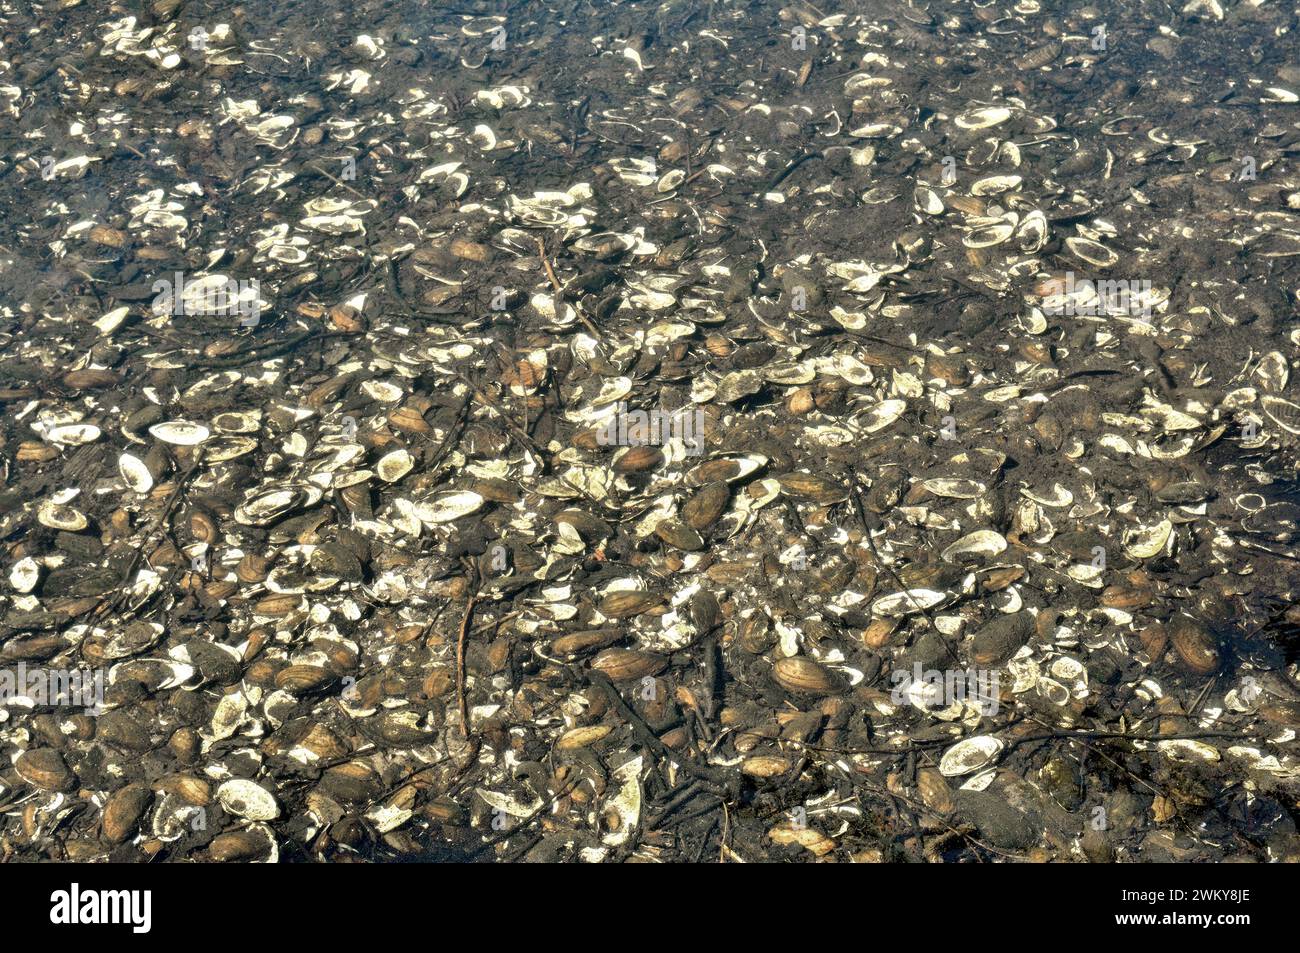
(864, 245)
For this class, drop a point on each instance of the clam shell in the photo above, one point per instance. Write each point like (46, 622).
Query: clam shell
(1094, 253)
(448, 507)
(1282, 412)
(1188, 750)
(706, 505)
(625, 804)
(908, 602)
(1031, 233)
(1194, 647)
(995, 184)
(988, 236)
(670, 180)
(983, 118)
(984, 542)
(228, 447)
(181, 433)
(813, 488)
(264, 507)
(927, 201)
(135, 473)
(248, 800)
(237, 422)
(970, 755)
(739, 384)
(882, 415)
(1273, 372)
(955, 489)
(803, 675)
(1059, 496)
(24, 574)
(606, 245)
(726, 469)
(576, 738)
(625, 665)
(60, 516)
(789, 374)
(1144, 542)
(73, 435)
(395, 465)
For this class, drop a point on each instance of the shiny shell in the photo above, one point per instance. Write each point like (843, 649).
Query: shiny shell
(1144, 542)
(726, 469)
(73, 435)
(135, 473)
(882, 415)
(927, 201)
(908, 601)
(395, 465)
(60, 516)
(268, 506)
(24, 574)
(970, 755)
(1094, 253)
(990, 235)
(983, 118)
(181, 433)
(248, 800)
(1282, 412)
(995, 184)
(237, 422)
(805, 676)
(984, 542)
(448, 507)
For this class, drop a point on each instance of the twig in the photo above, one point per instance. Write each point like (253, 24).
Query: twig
(925, 808)
(340, 184)
(559, 289)
(460, 664)
(528, 442)
(157, 521)
(706, 773)
(546, 263)
(452, 438)
(1067, 734)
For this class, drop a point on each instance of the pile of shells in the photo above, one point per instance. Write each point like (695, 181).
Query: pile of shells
(670, 432)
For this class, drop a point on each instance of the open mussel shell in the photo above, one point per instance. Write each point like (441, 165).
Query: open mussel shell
(970, 755)
(983, 118)
(1284, 413)
(62, 517)
(1032, 232)
(73, 435)
(269, 505)
(136, 473)
(605, 245)
(984, 543)
(1094, 253)
(989, 235)
(391, 467)
(726, 469)
(449, 507)
(927, 201)
(181, 433)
